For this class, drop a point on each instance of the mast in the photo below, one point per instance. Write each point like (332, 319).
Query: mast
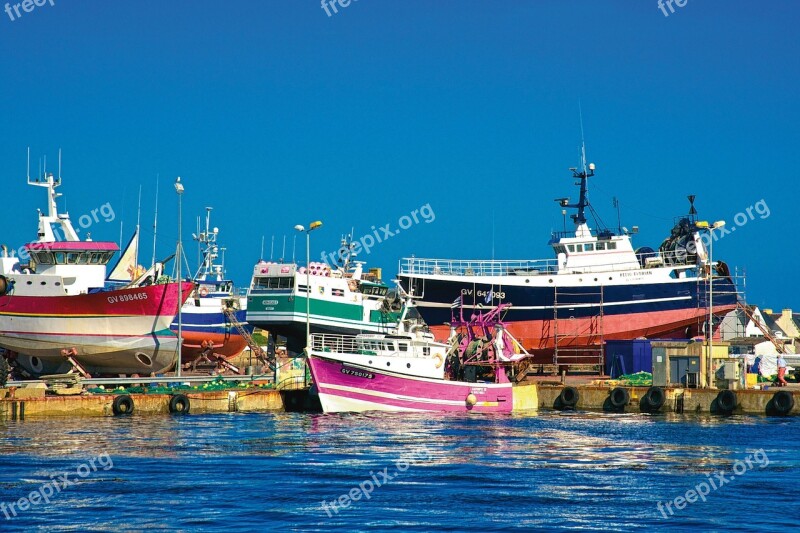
(155, 224)
(138, 222)
(52, 218)
(209, 252)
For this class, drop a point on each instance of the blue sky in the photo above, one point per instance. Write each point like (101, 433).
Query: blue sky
(276, 114)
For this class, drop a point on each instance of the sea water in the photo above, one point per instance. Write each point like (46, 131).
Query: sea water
(399, 472)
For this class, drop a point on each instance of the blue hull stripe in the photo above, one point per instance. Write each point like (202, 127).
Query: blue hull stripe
(537, 303)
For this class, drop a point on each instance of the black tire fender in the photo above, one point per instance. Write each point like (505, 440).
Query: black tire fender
(619, 397)
(653, 400)
(123, 405)
(726, 401)
(568, 398)
(179, 404)
(782, 402)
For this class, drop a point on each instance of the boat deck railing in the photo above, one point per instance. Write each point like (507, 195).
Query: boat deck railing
(470, 267)
(351, 344)
(532, 267)
(329, 342)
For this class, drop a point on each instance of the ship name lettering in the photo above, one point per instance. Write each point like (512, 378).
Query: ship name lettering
(357, 373)
(632, 274)
(127, 297)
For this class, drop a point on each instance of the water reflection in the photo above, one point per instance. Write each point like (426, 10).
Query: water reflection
(571, 466)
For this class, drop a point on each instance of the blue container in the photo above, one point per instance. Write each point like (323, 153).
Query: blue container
(628, 357)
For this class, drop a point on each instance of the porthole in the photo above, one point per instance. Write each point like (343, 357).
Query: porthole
(388, 363)
(144, 359)
(408, 365)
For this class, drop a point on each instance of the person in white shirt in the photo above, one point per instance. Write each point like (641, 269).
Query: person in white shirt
(781, 370)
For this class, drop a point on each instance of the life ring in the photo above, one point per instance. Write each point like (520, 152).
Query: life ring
(123, 405)
(179, 404)
(439, 360)
(203, 291)
(5, 285)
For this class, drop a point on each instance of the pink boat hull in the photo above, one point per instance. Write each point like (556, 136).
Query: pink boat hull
(344, 387)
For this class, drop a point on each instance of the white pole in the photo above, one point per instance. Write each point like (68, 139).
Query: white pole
(308, 290)
(709, 379)
(179, 189)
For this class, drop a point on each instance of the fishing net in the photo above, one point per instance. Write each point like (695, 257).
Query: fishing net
(639, 379)
(217, 384)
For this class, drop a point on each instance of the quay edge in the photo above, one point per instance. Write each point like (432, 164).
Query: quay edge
(32, 403)
(27, 403)
(677, 400)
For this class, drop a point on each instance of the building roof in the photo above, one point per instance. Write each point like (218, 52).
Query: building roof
(770, 322)
(747, 341)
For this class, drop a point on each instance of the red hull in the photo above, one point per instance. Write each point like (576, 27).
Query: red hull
(537, 336)
(153, 300)
(228, 345)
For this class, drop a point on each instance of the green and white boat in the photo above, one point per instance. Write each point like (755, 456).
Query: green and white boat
(344, 300)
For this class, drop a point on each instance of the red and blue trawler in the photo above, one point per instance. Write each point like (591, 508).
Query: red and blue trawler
(597, 288)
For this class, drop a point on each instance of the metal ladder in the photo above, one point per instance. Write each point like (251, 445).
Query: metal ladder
(260, 354)
(569, 354)
(767, 334)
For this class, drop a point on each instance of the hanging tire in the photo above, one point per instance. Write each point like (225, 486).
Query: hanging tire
(726, 402)
(179, 404)
(123, 405)
(653, 400)
(568, 398)
(619, 398)
(782, 403)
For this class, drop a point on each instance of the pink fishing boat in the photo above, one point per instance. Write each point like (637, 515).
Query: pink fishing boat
(410, 371)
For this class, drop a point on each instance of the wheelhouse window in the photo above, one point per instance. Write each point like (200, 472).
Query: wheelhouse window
(588, 247)
(612, 246)
(368, 290)
(571, 247)
(44, 258)
(600, 246)
(276, 283)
